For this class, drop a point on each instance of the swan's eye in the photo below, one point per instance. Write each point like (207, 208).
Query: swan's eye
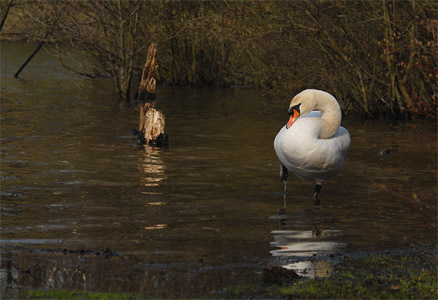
(295, 107)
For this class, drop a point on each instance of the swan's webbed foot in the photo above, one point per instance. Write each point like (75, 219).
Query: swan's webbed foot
(283, 173)
(315, 195)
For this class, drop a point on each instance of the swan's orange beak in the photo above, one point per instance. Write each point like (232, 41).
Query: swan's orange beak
(292, 119)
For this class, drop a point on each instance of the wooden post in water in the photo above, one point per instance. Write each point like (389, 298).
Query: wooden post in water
(152, 126)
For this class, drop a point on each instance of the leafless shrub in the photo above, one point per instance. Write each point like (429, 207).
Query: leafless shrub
(377, 57)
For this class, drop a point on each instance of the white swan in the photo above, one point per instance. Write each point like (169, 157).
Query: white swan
(312, 145)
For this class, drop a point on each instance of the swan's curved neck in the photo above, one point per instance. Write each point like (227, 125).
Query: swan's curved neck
(331, 114)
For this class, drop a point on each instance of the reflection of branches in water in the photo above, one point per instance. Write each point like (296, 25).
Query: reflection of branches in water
(17, 276)
(34, 271)
(151, 164)
(117, 274)
(47, 268)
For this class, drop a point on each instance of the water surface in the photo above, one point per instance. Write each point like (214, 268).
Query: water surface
(83, 207)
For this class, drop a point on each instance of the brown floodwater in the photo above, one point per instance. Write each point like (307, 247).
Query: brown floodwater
(84, 208)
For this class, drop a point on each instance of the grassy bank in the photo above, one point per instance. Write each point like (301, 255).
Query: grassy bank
(399, 274)
(76, 295)
(407, 274)
(376, 57)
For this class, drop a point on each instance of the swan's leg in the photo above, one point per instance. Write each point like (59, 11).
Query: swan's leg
(283, 178)
(315, 195)
(282, 211)
(283, 173)
(284, 195)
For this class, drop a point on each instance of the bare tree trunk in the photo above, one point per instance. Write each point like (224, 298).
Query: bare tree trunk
(152, 127)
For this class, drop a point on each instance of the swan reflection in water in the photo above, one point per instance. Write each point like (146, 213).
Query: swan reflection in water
(152, 166)
(303, 245)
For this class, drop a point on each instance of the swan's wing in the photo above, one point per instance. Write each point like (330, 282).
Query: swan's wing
(334, 149)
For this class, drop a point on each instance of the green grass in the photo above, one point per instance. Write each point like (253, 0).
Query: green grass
(73, 295)
(388, 276)
(353, 285)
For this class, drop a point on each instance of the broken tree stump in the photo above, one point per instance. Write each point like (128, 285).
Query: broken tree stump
(146, 89)
(152, 126)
